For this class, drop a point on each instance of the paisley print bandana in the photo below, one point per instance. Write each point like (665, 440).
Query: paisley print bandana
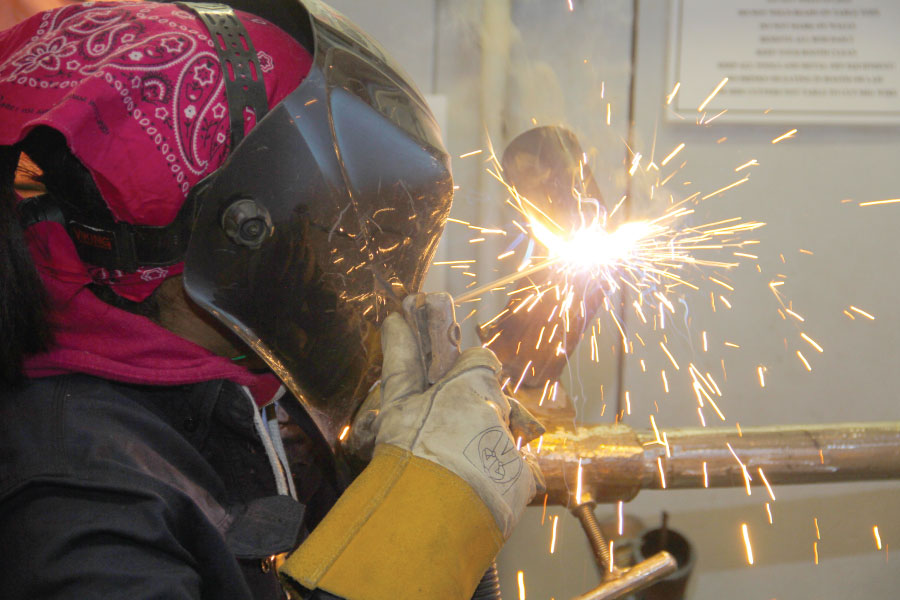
(137, 91)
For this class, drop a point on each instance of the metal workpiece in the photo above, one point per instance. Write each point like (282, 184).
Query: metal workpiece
(611, 457)
(787, 454)
(617, 461)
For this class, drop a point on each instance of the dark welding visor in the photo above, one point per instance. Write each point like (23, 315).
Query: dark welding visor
(325, 214)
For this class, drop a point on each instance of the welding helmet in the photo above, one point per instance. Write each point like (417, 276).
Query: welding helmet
(324, 215)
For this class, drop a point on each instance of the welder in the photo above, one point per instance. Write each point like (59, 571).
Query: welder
(234, 203)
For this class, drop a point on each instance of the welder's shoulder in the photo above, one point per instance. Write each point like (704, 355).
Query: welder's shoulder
(90, 504)
(77, 428)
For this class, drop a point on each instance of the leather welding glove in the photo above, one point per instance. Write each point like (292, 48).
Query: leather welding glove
(445, 487)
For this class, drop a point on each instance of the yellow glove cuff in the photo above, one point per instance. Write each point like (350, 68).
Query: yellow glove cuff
(406, 528)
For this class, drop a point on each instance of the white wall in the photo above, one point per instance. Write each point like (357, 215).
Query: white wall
(536, 68)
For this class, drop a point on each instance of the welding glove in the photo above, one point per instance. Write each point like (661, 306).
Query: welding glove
(445, 487)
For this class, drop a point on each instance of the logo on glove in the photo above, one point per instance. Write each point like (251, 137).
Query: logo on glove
(494, 452)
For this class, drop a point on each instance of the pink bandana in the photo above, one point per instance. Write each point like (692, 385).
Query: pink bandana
(93, 337)
(136, 89)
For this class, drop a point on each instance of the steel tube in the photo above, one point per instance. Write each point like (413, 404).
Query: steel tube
(617, 461)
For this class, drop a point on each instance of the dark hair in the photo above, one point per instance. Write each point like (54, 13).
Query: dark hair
(24, 305)
(23, 301)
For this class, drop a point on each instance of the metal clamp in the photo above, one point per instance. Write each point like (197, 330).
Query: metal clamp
(618, 582)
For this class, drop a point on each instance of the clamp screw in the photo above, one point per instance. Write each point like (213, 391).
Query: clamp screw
(585, 513)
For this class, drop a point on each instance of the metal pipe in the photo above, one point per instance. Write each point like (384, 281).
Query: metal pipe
(618, 461)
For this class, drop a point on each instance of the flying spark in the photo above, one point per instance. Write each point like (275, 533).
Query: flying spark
(621, 517)
(712, 95)
(879, 202)
(747, 546)
(553, 535)
(812, 342)
(673, 154)
(766, 483)
(674, 91)
(784, 136)
(578, 484)
(862, 312)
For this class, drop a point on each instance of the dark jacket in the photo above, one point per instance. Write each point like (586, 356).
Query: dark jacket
(111, 490)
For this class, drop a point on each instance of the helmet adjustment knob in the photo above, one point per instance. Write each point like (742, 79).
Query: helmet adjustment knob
(247, 223)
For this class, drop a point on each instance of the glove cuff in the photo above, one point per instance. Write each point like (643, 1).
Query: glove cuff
(406, 528)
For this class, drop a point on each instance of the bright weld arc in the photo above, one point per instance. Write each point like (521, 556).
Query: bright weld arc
(637, 254)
